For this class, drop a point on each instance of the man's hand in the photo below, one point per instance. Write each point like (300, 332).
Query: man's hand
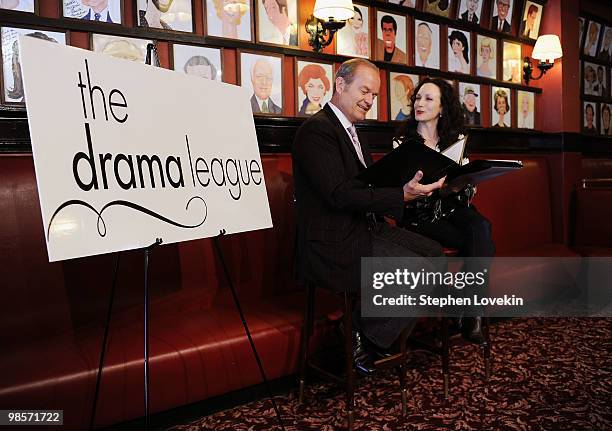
(414, 190)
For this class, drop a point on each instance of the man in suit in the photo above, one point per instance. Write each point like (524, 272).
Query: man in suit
(98, 10)
(337, 221)
(499, 20)
(470, 14)
(469, 108)
(386, 49)
(262, 77)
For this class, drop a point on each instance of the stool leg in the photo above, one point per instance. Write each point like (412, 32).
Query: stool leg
(307, 330)
(402, 372)
(350, 373)
(487, 347)
(445, 356)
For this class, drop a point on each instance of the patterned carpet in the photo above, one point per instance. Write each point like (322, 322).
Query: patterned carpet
(549, 374)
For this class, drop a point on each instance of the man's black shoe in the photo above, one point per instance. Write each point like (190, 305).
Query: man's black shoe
(361, 358)
(471, 329)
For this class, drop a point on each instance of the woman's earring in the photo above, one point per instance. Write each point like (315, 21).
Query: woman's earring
(440, 114)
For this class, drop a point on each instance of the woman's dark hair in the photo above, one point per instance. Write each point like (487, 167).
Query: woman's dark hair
(455, 34)
(450, 123)
(357, 11)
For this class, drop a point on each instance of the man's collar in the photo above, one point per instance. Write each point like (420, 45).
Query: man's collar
(343, 120)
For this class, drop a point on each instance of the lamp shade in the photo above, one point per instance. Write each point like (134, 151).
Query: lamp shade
(339, 10)
(547, 48)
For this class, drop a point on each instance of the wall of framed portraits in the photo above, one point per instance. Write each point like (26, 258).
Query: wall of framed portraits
(595, 44)
(477, 45)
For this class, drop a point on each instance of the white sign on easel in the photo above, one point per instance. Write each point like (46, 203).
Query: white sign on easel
(125, 153)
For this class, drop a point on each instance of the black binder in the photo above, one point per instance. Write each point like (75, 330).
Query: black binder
(400, 165)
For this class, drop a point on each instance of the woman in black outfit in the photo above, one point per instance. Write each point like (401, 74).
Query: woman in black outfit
(436, 120)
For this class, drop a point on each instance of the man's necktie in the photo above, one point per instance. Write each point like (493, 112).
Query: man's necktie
(353, 132)
(264, 107)
(97, 16)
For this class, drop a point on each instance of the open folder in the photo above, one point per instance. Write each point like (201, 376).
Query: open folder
(400, 165)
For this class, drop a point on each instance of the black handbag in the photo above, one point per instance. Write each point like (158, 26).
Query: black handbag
(431, 209)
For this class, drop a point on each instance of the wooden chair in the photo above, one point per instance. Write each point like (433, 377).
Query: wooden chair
(397, 360)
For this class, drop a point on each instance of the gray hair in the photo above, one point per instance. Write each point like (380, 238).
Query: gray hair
(347, 69)
(200, 60)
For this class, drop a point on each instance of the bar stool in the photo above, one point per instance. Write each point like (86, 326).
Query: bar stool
(398, 360)
(444, 349)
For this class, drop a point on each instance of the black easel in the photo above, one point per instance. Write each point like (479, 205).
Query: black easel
(246, 327)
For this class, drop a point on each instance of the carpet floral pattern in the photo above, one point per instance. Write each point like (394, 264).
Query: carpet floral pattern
(548, 374)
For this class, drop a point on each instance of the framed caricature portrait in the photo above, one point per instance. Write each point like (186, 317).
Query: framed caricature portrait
(438, 7)
(12, 83)
(470, 11)
(426, 44)
(277, 22)
(595, 80)
(486, 57)
(501, 18)
(401, 87)
(18, 5)
(469, 95)
(353, 39)
(262, 76)
(231, 21)
(589, 119)
(605, 113)
(530, 23)
(390, 44)
(590, 41)
(500, 107)
(198, 61)
(405, 3)
(459, 51)
(512, 62)
(108, 11)
(169, 15)
(314, 86)
(581, 22)
(126, 48)
(525, 117)
(372, 114)
(605, 47)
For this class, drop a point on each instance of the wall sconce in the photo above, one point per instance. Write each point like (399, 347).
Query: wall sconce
(328, 17)
(547, 49)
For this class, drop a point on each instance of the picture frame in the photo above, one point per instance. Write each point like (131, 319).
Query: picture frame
(591, 38)
(531, 19)
(405, 3)
(426, 44)
(469, 96)
(581, 23)
(177, 16)
(501, 15)
(512, 62)
(26, 6)
(501, 108)
(459, 50)
(235, 24)
(277, 22)
(314, 86)
(486, 57)
(438, 7)
(126, 48)
(605, 119)
(110, 13)
(525, 109)
(11, 84)
(262, 76)
(353, 40)
(401, 88)
(470, 12)
(589, 118)
(390, 33)
(201, 61)
(594, 80)
(604, 53)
